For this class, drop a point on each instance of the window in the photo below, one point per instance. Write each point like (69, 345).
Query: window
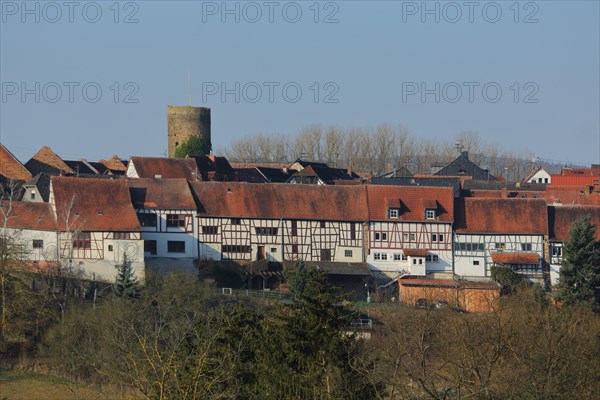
(352, 231)
(110, 247)
(413, 237)
(404, 257)
(325, 255)
(347, 253)
(430, 213)
(266, 231)
(397, 256)
(526, 246)
(32, 195)
(440, 237)
(414, 261)
(175, 220)
(176, 246)
(434, 237)
(150, 246)
(235, 221)
(393, 213)
(147, 219)
(83, 241)
(273, 249)
(294, 228)
(38, 244)
(380, 256)
(405, 237)
(294, 249)
(556, 251)
(476, 262)
(377, 236)
(210, 230)
(435, 258)
(322, 224)
(428, 257)
(500, 246)
(121, 235)
(470, 246)
(232, 248)
(383, 235)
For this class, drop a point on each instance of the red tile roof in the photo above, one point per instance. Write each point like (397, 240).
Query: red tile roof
(47, 161)
(515, 258)
(414, 200)
(574, 180)
(115, 164)
(167, 168)
(485, 215)
(415, 252)
(572, 195)
(166, 194)
(278, 200)
(561, 218)
(11, 168)
(428, 282)
(92, 204)
(25, 215)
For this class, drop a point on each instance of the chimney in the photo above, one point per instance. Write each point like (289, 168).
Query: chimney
(388, 168)
(350, 171)
(465, 154)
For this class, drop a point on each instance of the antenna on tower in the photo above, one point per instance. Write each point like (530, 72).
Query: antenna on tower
(190, 86)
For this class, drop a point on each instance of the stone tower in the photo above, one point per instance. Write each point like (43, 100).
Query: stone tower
(186, 121)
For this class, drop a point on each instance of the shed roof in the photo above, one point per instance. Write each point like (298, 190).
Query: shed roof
(515, 258)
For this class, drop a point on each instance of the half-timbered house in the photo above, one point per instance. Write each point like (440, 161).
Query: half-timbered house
(503, 232)
(560, 221)
(166, 211)
(280, 222)
(96, 225)
(410, 229)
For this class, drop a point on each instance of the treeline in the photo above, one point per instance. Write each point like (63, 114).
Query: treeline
(180, 341)
(371, 149)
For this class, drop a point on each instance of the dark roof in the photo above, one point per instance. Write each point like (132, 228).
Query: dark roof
(279, 200)
(250, 175)
(91, 204)
(462, 166)
(487, 215)
(339, 268)
(453, 182)
(42, 182)
(166, 194)
(326, 174)
(561, 218)
(274, 175)
(79, 168)
(401, 172)
(46, 160)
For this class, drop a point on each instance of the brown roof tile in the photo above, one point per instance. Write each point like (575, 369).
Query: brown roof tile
(515, 258)
(414, 201)
(166, 194)
(311, 202)
(415, 252)
(26, 215)
(486, 215)
(47, 161)
(11, 168)
(167, 168)
(91, 204)
(561, 218)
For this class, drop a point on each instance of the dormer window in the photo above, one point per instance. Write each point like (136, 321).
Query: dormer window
(393, 212)
(429, 213)
(33, 195)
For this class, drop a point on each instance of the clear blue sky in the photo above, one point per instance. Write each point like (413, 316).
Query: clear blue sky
(375, 58)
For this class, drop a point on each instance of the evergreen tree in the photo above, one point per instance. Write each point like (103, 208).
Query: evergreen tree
(194, 146)
(580, 271)
(126, 284)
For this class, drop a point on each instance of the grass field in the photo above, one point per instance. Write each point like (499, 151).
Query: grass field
(17, 384)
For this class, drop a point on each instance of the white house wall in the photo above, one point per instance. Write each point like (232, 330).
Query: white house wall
(465, 261)
(48, 251)
(409, 235)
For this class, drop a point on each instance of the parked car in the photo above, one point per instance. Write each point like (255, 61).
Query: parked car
(421, 303)
(441, 304)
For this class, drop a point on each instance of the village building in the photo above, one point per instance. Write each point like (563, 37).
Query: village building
(96, 225)
(538, 175)
(410, 230)
(166, 211)
(37, 189)
(501, 232)
(463, 167)
(163, 168)
(560, 221)
(11, 168)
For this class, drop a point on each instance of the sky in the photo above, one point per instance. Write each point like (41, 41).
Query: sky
(93, 79)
